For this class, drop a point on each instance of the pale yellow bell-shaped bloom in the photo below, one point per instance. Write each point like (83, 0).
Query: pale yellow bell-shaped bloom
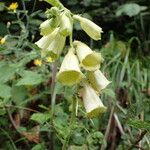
(97, 80)
(69, 73)
(46, 27)
(56, 46)
(45, 41)
(92, 103)
(65, 25)
(93, 30)
(90, 60)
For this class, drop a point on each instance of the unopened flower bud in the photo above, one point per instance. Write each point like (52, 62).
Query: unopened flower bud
(90, 60)
(92, 103)
(70, 73)
(98, 80)
(93, 30)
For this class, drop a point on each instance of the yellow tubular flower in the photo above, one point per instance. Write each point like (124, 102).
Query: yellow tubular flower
(56, 46)
(65, 25)
(45, 41)
(37, 62)
(69, 73)
(92, 103)
(90, 60)
(13, 6)
(93, 30)
(98, 80)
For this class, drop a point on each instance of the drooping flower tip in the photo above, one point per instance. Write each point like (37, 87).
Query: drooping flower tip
(69, 73)
(93, 30)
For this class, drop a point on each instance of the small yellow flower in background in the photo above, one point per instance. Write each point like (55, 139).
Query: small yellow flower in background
(13, 6)
(37, 62)
(49, 59)
(2, 41)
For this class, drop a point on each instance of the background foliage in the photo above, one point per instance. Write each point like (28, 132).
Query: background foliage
(25, 88)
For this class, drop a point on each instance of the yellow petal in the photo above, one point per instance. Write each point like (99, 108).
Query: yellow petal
(92, 103)
(90, 60)
(13, 6)
(37, 62)
(93, 30)
(69, 73)
(97, 80)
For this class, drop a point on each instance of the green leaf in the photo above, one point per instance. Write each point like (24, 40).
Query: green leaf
(40, 117)
(30, 78)
(2, 6)
(3, 29)
(5, 91)
(38, 147)
(18, 94)
(131, 9)
(6, 73)
(83, 147)
(139, 124)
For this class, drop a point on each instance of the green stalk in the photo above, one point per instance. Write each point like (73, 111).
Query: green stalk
(55, 3)
(72, 121)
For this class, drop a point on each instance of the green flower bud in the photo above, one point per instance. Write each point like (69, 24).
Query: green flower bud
(69, 73)
(90, 60)
(92, 103)
(93, 30)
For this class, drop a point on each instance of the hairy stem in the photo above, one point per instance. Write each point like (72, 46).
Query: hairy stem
(72, 121)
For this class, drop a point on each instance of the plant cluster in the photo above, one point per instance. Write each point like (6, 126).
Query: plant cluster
(55, 30)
